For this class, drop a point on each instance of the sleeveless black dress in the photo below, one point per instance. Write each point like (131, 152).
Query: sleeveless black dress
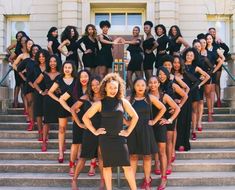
(38, 98)
(160, 131)
(74, 56)
(136, 61)
(50, 106)
(63, 87)
(89, 59)
(174, 47)
(162, 44)
(141, 141)
(105, 54)
(55, 45)
(113, 147)
(149, 59)
(89, 140)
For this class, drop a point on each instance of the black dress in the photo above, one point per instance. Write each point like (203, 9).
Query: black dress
(63, 87)
(113, 147)
(174, 47)
(161, 49)
(55, 45)
(19, 81)
(89, 59)
(160, 131)
(73, 48)
(28, 65)
(50, 106)
(38, 98)
(89, 140)
(142, 141)
(149, 59)
(105, 53)
(136, 61)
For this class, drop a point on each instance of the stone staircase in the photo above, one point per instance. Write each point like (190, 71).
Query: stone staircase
(209, 165)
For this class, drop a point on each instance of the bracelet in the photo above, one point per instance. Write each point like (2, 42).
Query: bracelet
(40, 92)
(170, 120)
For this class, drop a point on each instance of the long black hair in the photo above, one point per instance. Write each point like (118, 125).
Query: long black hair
(49, 34)
(45, 54)
(90, 92)
(48, 68)
(66, 34)
(170, 34)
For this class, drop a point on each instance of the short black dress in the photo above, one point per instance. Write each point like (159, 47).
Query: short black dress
(105, 53)
(55, 45)
(161, 49)
(149, 59)
(160, 131)
(142, 141)
(38, 98)
(113, 147)
(89, 140)
(174, 47)
(89, 59)
(18, 80)
(210, 61)
(136, 61)
(73, 48)
(63, 87)
(50, 106)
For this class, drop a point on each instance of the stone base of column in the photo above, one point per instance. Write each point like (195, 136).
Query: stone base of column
(229, 96)
(4, 99)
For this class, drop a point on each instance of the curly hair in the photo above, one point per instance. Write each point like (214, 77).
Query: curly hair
(45, 54)
(182, 66)
(104, 23)
(94, 29)
(113, 77)
(196, 55)
(48, 68)
(31, 49)
(74, 72)
(66, 34)
(160, 26)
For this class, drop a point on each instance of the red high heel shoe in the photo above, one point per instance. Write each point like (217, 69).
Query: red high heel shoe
(146, 184)
(30, 125)
(194, 136)
(44, 147)
(162, 186)
(181, 149)
(71, 166)
(219, 104)
(61, 160)
(199, 127)
(40, 135)
(94, 166)
(157, 172)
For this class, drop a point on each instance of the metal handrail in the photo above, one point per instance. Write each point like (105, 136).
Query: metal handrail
(229, 73)
(5, 76)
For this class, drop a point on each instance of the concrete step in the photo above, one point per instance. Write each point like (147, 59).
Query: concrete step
(219, 133)
(222, 110)
(11, 125)
(52, 154)
(13, 118)
(220, 117)
(35, 166)
(23, 134)
(63, 180)
(213, 143)
(30, 143)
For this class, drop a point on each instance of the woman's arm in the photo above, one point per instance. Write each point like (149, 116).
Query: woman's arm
(184, 42)
(74, 109)
(168, 100)
(96, 107)
(204, 74)
(134, 118)
(49, 47)
(182, 84)
(63, 98)
(10, 47)
(160, 106)
(17, 61)
(60, 48)
(52, 90)
(182, 93)
(36, 82)
(133, 42)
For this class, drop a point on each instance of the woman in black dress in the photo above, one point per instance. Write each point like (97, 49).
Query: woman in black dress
(141, 141)
(79, 90)
(135, 64)
(65, 83)
(162, 42)
(173, 90)
(91, 50)
(49, 105)
(112, 137)
(53, 44)
(160, 129)
(41, 59)
(68, 38)
(149, 45)
(28, 65)
(18, 50)
(89, 141)
(105, 53)
(176, 41)
(191, 66)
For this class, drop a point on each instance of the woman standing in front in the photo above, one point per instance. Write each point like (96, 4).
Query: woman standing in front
(65, 83)
(112, 139)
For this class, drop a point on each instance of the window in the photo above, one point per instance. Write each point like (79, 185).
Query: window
(121, 21)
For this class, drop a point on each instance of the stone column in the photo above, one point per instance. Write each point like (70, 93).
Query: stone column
(229, 91)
